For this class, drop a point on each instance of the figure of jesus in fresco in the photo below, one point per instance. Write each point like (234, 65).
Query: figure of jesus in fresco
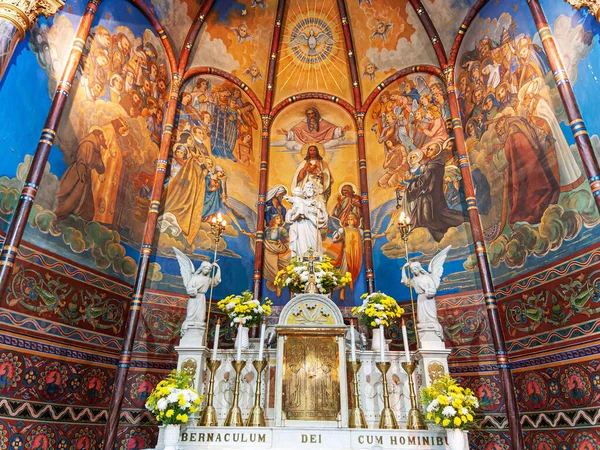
(313, 129)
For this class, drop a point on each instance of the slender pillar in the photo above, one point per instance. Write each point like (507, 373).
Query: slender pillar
(133, 316)
(267, 121)
(489, 293)
(431, 31)
(16, 16)
(359, 118)
(36, 171)
(582, 138)
(135, 307)
(351, 54)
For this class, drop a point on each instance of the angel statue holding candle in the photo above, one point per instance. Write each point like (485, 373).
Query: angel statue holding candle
(426, 283)
(197, 283)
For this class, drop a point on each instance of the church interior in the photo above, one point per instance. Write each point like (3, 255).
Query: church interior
(150, 143)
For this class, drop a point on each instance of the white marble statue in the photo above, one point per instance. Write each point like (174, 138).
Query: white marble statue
(197, 283)
(426, 283)
(307, 218)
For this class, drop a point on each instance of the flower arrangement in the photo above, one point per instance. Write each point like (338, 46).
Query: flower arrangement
(449, 404)
(172, 400)
(244, 310)
(295, 275)
(378, 309)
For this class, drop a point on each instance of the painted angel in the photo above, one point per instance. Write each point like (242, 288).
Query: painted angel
(426, 283)
(197, 283)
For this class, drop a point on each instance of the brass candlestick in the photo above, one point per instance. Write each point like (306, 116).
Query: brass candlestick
(234, 416)
(406, 229)
(357, 417)
(208, 418)
(257, 414)
(416, 421)
(388, 418)
(217, 226)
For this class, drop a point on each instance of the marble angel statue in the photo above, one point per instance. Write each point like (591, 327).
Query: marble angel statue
(197, 283)
(426, 283)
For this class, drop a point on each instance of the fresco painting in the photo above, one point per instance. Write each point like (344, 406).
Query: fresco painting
(383, 36)
(312, 52)
(315, 141)
(213, 169)
(413, 169)
(515, 127)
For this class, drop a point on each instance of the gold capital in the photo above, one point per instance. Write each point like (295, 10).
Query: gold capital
(23, 13)
(447, 76)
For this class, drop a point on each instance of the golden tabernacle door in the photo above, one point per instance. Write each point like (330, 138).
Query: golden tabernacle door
(311, 383)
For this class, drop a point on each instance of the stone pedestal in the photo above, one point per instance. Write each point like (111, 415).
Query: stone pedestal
(192, 355)
(433, 364)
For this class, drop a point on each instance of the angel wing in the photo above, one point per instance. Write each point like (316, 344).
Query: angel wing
(324, 38)
(301, 39)
(186, 266)
(436, 266)
(379, 214)
(422, 86)
(334, 223)
(243, 212)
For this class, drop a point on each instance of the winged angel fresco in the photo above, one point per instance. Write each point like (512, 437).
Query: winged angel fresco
(197, 282)
(425, 284)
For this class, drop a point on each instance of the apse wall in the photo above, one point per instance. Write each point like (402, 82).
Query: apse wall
(541, 222)
(64, 310)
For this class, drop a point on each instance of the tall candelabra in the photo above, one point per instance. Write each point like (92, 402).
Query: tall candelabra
(217, 226)
(406, 229)
(416, 421)
(257, 414)
(388, 418)
(208, 418)
(357, 417)
(234, 416)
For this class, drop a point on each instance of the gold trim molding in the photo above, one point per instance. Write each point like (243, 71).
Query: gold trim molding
(592, 5)
(23, 13)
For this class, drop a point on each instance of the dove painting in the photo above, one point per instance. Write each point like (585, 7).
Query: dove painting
(311, 40)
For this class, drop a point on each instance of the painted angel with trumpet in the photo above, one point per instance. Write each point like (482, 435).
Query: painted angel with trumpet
(197, 282)
(426, 283)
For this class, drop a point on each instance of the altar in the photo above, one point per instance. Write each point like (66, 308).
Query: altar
(306, 390)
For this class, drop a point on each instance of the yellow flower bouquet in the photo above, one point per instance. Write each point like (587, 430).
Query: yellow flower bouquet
(449, 404)
(328, 278)
(244, 309)
(173, 400)
(378, 309)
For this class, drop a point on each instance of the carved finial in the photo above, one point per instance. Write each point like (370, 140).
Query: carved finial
(23, 13)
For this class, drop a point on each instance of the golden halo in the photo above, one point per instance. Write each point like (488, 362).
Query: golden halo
(356, 191)
(320, 147)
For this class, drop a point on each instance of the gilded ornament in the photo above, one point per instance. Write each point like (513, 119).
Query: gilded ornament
(592, 5)
(23, 13)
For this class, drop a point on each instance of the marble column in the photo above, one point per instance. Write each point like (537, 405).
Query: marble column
(16, 16)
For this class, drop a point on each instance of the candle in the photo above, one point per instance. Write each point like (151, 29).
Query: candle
(262, 340)
(352, 343)
(401, 220)
(382, 343)
(405, 339)
(216, 340)
(239, 339)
